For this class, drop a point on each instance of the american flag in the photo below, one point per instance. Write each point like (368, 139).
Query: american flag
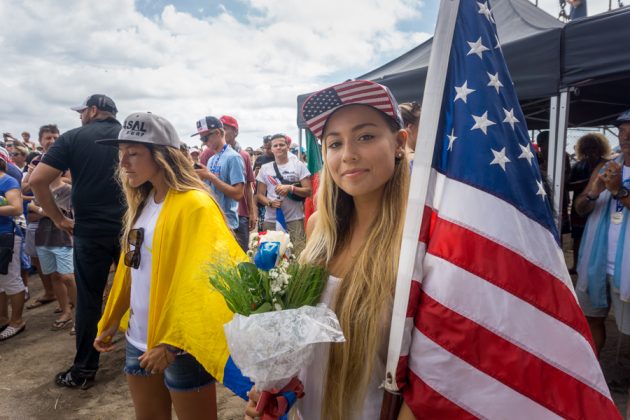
(495, 328)
(323, 103)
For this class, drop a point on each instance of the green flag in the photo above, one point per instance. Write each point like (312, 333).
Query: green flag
(313, 153)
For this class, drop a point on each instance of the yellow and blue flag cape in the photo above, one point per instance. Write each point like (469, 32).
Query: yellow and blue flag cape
(184, 311)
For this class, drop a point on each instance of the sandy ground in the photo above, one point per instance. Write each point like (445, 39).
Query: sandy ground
(29, 362)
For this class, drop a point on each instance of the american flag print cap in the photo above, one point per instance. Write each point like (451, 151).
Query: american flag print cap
(320, 105)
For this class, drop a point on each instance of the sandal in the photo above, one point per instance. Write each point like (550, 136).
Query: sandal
(58, 310)
(60, 324)
(11, 332)
(40, 302)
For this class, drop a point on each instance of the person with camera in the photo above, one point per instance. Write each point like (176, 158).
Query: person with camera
(603, 272)
(282, 187)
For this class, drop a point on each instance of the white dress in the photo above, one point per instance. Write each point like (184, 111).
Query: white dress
(314, 376)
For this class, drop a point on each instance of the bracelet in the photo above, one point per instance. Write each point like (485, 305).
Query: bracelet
(174, 350)
(292, 189)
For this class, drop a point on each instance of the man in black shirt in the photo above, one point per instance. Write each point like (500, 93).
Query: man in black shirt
(98, 210)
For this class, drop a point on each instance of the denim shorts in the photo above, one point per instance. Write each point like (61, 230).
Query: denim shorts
(184, 374)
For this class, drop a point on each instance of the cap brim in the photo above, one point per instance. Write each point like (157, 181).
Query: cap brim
(196, 134)
(78, 108)
(116, 142)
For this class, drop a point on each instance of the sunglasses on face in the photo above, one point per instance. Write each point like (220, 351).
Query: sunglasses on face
(135, 239)
(205, 137)
(16, 154)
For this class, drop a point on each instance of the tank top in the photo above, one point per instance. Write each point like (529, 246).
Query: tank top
(314, 376)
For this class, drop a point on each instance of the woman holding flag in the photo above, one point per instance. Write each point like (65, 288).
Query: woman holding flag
(356, 235)
(282, 187)
(173, 230)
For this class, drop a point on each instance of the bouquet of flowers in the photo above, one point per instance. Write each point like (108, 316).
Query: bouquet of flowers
(276, 322)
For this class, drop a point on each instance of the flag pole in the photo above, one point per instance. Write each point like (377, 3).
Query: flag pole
(408, 267)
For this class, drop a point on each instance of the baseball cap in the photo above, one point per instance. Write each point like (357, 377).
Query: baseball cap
(321, 105)
(623, 118)
(146, 128)
(228, 120)
(102, 102)
(206, 124)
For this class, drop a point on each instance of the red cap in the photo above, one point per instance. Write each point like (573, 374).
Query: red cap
(228, 120)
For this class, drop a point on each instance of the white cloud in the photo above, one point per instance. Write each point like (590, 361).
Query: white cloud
(593, 6)
(184, 67)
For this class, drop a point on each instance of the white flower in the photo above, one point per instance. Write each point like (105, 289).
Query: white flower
(284, 278)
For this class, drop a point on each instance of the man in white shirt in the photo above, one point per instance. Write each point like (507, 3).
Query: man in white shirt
(604, 259)
(282, 186)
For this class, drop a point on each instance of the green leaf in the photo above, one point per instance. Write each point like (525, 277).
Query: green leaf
(248, 270)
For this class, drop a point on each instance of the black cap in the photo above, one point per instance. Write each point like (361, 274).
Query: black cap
(102, 102)
(206, 124)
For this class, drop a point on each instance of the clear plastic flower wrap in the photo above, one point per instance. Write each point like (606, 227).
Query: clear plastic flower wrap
(272, 347)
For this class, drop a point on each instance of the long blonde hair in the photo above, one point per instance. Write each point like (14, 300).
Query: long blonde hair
(364, 298)
(178, 173)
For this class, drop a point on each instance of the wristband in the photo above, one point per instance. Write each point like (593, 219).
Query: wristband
(292, 189)
(589, 198)
(174, 350)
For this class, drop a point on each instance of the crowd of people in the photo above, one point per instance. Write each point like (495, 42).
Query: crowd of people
(105, 195)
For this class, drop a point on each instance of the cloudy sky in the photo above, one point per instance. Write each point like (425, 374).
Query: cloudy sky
(184, 59)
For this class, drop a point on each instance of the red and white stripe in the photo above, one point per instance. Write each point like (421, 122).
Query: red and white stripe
(359, 91)
(496, 331)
